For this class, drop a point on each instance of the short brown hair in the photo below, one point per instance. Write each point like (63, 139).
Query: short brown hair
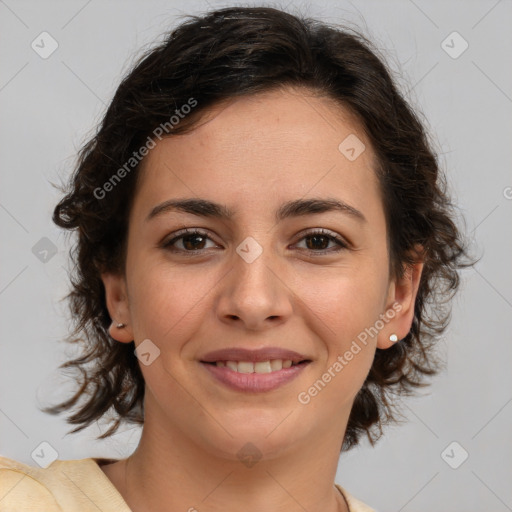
(241, 51)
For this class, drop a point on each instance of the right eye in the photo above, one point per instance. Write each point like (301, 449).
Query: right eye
(192, 241)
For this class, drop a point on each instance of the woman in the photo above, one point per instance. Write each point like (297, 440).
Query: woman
(261, 226)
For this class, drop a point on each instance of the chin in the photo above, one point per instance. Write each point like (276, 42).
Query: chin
(264, 436)
(249, 449)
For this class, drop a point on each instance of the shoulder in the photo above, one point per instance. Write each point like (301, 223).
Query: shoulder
(64, 485)
(21, 490)
(354, 504)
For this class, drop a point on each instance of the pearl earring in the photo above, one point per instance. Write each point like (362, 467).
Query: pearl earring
(120, 326)
(393, 338)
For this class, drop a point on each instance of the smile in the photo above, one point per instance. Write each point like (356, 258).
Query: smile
(270, 366)
(254, 377)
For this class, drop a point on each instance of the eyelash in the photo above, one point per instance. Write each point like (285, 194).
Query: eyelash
(342, 245)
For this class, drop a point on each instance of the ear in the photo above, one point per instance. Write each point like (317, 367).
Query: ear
(401, 299)
(116, 297)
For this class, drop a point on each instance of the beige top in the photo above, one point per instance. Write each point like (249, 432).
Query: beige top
(74, 486)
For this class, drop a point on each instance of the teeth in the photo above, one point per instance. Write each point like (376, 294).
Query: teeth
(245, 367)
(262, 367)
(276, 364)
(259, 367)
(231, 365)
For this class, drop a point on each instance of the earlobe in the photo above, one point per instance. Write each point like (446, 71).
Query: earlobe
(401, 299)
(116, 298)
(120, 332)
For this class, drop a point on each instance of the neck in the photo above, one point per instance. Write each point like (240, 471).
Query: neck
(172, 470)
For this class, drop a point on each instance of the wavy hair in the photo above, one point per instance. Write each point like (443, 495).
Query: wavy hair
(236, 52)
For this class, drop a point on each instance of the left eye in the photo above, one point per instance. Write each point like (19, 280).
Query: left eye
(320, 238)
(316, 241)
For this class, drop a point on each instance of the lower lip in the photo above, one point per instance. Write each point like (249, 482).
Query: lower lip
(254, 382)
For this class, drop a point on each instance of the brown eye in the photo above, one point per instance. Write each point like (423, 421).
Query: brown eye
(191, 241)
(317, 242)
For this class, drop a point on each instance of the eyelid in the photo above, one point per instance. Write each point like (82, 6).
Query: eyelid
(323, 231)
(342, 242)
(186, 231)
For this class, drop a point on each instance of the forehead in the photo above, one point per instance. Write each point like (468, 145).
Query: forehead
(286, 143)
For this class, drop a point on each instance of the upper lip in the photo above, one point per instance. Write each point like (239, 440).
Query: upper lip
(253, 355)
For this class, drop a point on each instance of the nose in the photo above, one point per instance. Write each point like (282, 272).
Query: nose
(254, 294)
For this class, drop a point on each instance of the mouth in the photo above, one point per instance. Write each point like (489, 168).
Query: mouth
(269, 366)
(254, 370)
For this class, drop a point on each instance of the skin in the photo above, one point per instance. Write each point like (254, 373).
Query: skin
(252, 154)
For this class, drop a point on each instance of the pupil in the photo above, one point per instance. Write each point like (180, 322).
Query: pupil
(193, 238)
(316, 238)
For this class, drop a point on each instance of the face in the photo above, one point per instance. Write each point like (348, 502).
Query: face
(256, 287)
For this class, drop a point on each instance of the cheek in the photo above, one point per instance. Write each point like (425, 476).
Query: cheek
(341, 314)
(346, 305)
(167, 301)
(345, 301)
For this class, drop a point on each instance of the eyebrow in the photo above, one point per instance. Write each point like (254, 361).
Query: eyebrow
(296, 208)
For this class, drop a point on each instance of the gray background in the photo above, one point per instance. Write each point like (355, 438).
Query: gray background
(50, 106)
